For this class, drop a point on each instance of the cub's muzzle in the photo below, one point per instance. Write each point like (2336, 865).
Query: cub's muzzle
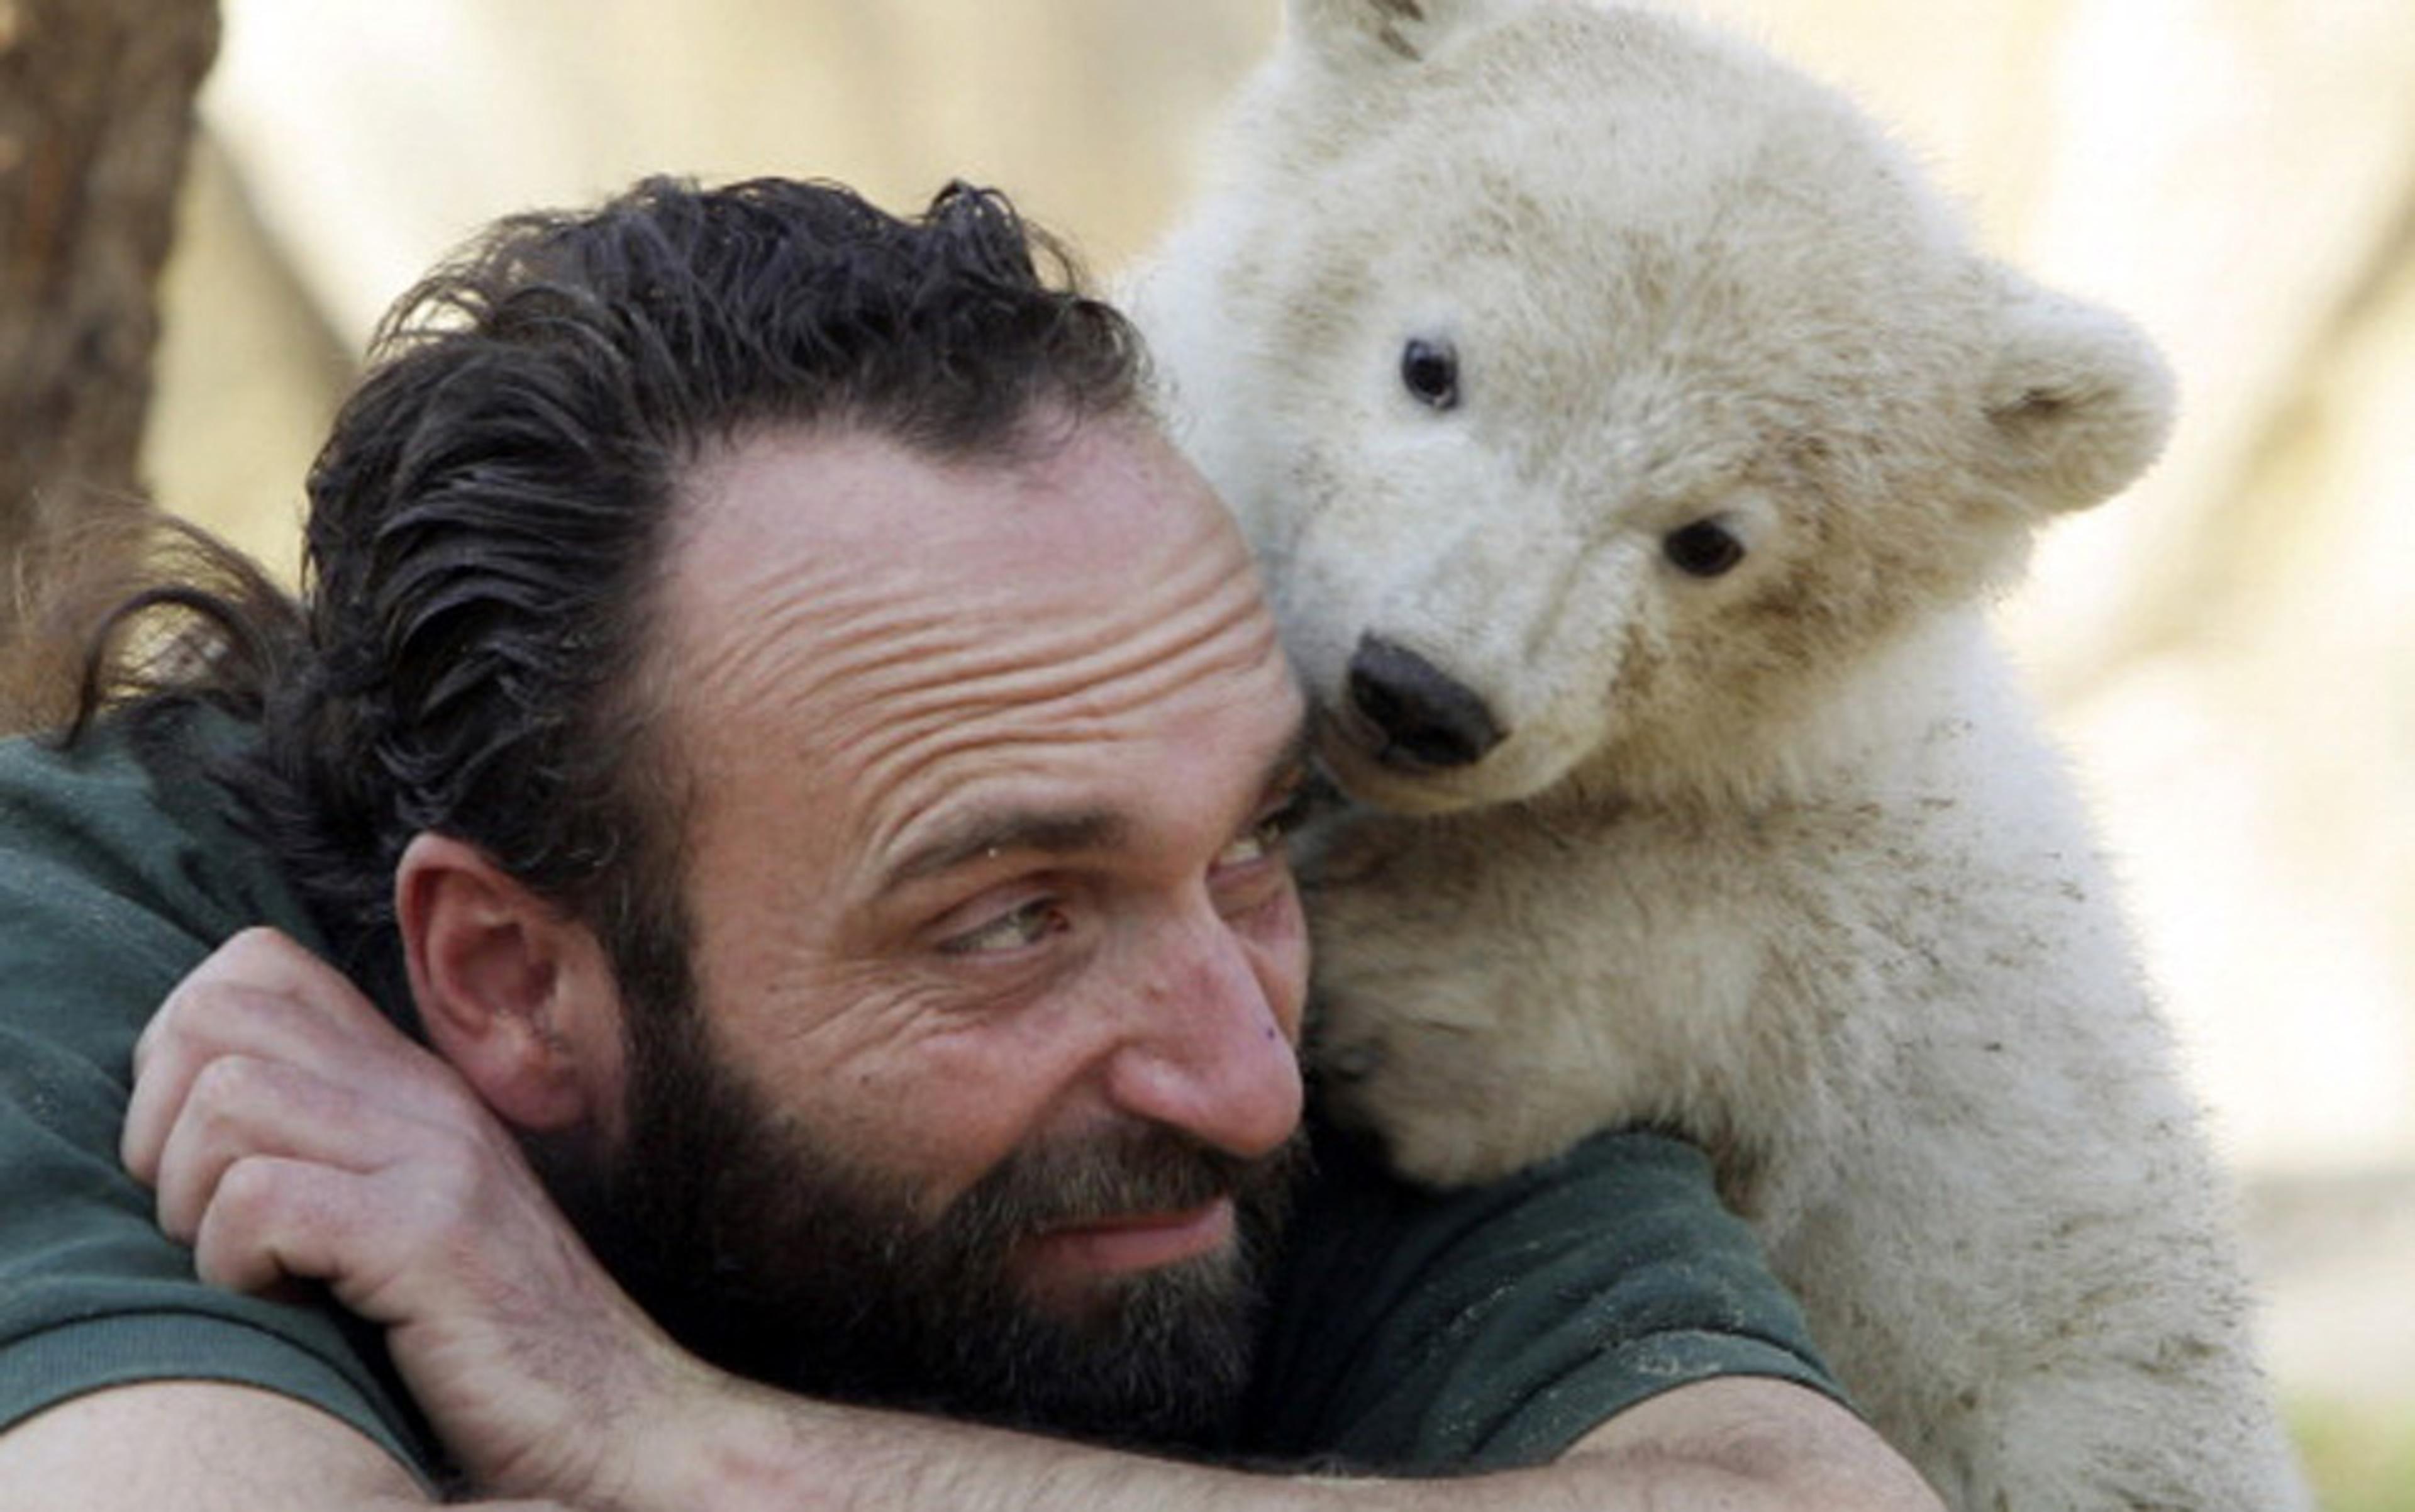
(1427, 719)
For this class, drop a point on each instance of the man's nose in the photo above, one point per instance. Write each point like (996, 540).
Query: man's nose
(1205, 1051)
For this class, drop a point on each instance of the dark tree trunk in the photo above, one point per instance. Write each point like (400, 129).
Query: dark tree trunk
(96, 114)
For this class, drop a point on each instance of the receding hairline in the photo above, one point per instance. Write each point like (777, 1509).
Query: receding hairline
(658, 675)
(1042, 430)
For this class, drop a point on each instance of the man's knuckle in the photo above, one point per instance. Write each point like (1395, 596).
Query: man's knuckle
(227, 1085)
(250, 1193)
(200, 1013)
(230, 1093)
(256, 943)
(456, 1173)
(245, 957)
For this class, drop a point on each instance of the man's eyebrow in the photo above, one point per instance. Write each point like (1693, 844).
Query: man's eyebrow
(1000, 831)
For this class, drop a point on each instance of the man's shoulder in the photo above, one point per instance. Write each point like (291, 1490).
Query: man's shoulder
(123, 849)
(120, 871)
(142, 771)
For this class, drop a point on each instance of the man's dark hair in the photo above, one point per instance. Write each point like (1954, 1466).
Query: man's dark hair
(489, 517)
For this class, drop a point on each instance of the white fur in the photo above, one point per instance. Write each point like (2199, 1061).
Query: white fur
(1774, 857)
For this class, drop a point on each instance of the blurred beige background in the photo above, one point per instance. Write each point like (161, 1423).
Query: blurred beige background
(2226, 651)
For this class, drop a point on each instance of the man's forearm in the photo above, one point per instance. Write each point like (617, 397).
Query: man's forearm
(1734, 1444)
(202, 1447)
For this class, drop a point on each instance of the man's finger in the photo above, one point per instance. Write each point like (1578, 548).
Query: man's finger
(241, 1106)
(411, 1240)
(262, 995)
(253, 994)
(259, 962)
(275, 1219)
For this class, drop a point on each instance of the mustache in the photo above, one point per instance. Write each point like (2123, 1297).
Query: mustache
(1135, 1169)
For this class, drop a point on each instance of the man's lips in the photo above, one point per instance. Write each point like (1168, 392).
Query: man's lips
(1122, 1246)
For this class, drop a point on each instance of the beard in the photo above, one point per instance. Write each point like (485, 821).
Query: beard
(781, 1261)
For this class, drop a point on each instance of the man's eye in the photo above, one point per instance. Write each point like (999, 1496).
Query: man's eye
(1266, 837)
(1250, 848)
(1014, 930)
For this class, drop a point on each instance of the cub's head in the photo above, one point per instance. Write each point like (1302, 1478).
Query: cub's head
(1597, 390)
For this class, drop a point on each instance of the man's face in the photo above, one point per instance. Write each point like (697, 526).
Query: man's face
(998, 961)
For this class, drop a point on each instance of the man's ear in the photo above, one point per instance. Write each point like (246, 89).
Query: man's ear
(2079, 401)
(519, 997)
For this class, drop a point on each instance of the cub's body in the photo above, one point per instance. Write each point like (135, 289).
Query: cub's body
(1630, 439)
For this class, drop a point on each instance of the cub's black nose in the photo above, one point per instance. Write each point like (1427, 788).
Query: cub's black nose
(1428, 718)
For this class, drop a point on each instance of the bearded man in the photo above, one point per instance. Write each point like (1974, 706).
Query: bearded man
(785, 979)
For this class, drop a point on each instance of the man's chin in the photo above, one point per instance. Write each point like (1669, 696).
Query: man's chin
(1159, 1357)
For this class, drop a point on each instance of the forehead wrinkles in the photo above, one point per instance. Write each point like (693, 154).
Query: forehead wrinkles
(845, 621)
(1202, 638)
(800, 628)
(887, 676)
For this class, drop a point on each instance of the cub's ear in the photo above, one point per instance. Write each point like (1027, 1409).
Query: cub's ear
(1356, 34)
(2079, 401)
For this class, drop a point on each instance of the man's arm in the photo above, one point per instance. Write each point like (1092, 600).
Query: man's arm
(203, 1446)
(292, 1132)
(196, 1447)
(189, 1446)
(1735, 1445)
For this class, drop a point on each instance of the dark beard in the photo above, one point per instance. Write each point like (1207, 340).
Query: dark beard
(780, 1261)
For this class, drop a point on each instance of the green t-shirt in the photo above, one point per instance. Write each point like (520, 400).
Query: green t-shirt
(1409, 1332)
(1422, 1333)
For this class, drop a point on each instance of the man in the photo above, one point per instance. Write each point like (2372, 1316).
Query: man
(808, 762)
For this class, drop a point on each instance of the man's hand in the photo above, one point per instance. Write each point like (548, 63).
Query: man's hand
(292, 1133)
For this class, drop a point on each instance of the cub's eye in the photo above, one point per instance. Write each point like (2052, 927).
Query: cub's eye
(1028, 925)
(1705, 548)
(1430, 371)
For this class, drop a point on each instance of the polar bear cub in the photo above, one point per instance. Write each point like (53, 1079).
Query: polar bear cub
(1629, 437)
